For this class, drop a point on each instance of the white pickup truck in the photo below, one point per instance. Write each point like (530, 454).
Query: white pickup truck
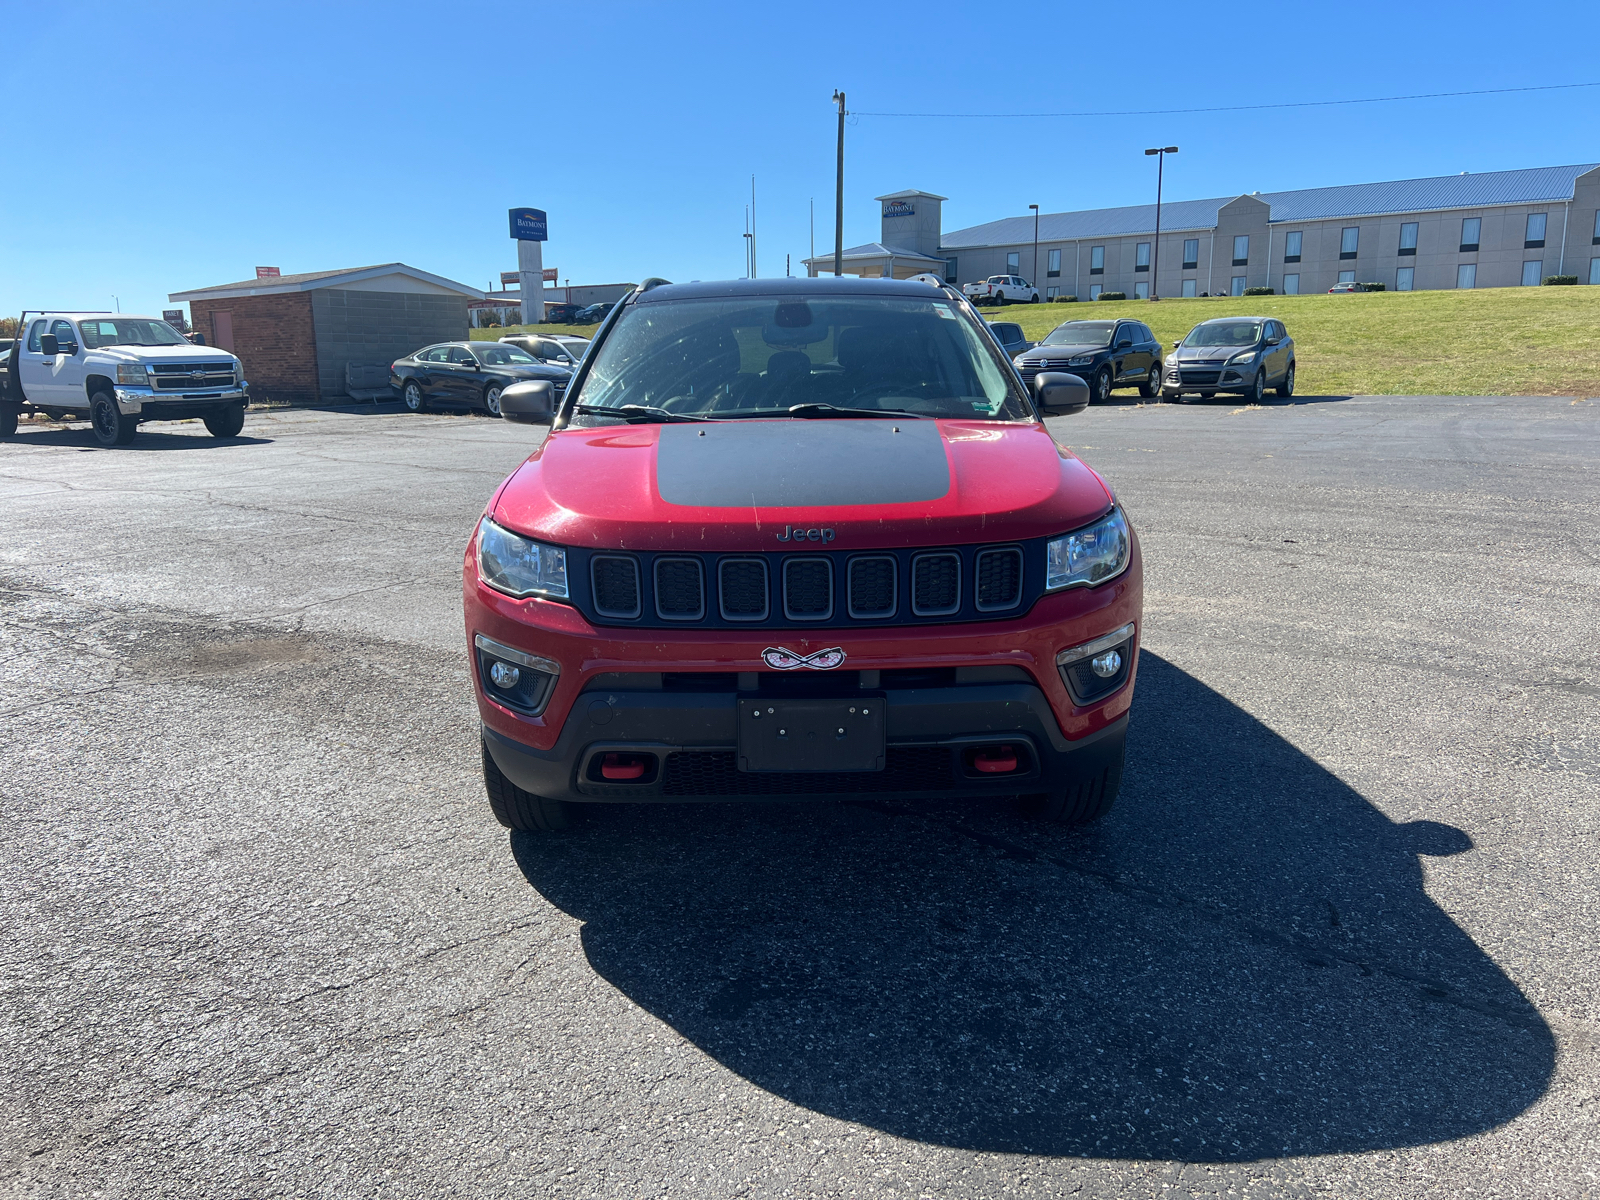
(118, 370)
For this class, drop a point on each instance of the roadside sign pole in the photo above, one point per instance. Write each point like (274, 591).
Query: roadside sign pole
(838, 201)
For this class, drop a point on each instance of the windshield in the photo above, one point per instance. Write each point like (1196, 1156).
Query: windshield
(499, 354)
(129, 331)
(760, 356)
(1225, 333)
(1080, 333)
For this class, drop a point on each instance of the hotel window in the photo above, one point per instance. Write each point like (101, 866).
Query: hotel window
(1095, 289)
(949, 270)
(1241, 250)
(1055, 264)
(1408, 238)
(1191, 248)
(1188, 284)
(1013, 264)
(1291, 246)
(1594, 270)
(1349, 238)
(1236, 286)
(1050, 293)
(1291, 285)
(1097, 260)
(1467, 274)
(1141, 290)
(1471, 227)
(1141, 257)
(1531, 273)
(1595, 240)
(1347, 276)
(1403, 278)
(1535, 237)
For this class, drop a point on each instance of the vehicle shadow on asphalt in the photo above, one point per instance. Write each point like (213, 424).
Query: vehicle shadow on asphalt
(83, 438)
(1239, 963)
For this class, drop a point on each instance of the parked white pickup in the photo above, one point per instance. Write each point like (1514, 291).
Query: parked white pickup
(119, 370)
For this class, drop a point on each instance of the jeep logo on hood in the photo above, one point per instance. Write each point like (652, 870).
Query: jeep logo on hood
(792, 534)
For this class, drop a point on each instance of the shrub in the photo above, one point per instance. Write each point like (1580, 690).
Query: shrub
(1375, 287)
(1559, 280)
(1064, 300)
(1259, 292)
(1113, 295)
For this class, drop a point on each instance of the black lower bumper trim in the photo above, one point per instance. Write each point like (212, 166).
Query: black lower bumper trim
(691, 739)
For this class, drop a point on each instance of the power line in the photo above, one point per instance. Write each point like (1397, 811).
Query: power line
(1165, 112)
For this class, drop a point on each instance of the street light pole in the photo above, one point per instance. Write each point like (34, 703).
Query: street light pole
(1160, 153)
(1035, 280)
(838, 202)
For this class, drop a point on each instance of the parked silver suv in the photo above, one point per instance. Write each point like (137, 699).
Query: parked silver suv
(1239, 355)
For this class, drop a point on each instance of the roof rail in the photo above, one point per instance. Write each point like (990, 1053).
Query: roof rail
(654, 281)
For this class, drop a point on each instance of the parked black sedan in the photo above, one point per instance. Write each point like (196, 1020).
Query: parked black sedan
(1104, 354)
(1242, 355)
(468, 375)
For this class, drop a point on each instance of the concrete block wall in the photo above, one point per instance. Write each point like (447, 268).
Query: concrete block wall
(274, 339)
(378, 327)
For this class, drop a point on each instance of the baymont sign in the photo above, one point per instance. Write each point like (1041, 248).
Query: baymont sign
(899, 208)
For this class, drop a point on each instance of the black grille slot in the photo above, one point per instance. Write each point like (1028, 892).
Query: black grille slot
(808, 589)
(872, 586)
(999, 578)
(680, 595)
(935, 584)
(743, 589)
(616, 585)
(1190, 376)
(716, 773)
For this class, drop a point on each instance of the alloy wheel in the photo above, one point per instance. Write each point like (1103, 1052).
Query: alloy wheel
(413, 397)
(491, 400)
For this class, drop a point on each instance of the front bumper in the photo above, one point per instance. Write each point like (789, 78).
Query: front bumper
(1209, 377)
(165, 405)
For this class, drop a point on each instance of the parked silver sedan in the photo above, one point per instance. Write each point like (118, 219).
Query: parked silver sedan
(1237, 355)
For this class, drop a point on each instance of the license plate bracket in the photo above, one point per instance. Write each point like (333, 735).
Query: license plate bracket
(811, 735)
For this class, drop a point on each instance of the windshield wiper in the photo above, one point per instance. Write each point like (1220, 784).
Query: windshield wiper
(637, 414)
(829, 410)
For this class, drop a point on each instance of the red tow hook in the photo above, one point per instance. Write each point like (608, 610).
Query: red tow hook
(995, 760)
(621, 766)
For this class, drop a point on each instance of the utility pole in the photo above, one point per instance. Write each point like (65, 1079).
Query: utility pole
(813, 227)
(1034, 282)
(1161, 153)
(753, 271)
(838, 200)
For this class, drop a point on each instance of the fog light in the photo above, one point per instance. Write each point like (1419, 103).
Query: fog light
(504, 675)
(1106, 665)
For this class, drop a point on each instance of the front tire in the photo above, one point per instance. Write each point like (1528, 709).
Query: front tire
(1085, 801)
(515, 808)
(112, 427)
(1102, 385)
(1258, 388)
(491, 399)
(8, 420)
(1151, 383)
(227, 422)
(1286, 388)
(411, 396)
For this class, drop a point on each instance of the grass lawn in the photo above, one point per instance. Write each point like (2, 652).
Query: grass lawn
(1536, 341)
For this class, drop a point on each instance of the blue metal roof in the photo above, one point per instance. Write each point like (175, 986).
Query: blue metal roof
(1534, 185)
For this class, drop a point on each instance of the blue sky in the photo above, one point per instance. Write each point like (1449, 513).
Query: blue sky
(203, 140)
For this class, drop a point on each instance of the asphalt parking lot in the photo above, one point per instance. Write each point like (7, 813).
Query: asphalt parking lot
(263, 938)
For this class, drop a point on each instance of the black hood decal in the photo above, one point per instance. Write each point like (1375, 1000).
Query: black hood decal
(795, 463)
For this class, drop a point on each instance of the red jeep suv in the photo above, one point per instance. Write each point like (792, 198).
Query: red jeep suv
(800, 538)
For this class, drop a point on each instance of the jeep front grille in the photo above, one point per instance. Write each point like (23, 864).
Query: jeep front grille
(742, 586)
(680, 592)
(808, 589)
(872, 586)
(935, 584)
(999, 578)
(616, 585)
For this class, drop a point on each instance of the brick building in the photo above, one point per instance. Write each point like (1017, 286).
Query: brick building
(296, 334)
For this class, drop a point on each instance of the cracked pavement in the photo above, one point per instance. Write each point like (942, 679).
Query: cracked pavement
(259, 935)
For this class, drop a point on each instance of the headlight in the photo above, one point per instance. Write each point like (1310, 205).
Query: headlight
(133, 373)
(518, 566)
(1089, 557)
(1242, 360)
(1083, 360)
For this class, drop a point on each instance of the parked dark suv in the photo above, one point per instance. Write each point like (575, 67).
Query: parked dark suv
(1107, 354)
(1239, 355)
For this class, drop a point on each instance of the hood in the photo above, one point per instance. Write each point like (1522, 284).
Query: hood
(738, 485)
(1064, 351)
(157, 354)
(1209, 354)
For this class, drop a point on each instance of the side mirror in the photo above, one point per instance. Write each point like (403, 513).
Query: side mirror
(48, 345)
(1060, 394)
(532, 402)
(1177, 343)
(1124, 343)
